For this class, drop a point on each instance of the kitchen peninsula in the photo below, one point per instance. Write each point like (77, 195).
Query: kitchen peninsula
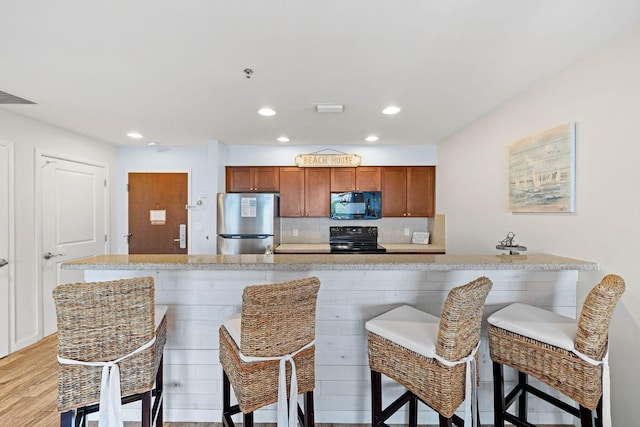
(202, 290)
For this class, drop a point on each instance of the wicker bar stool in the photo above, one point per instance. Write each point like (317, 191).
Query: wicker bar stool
(567, 354)
(106, 329)
(276, 326)
(434, 358)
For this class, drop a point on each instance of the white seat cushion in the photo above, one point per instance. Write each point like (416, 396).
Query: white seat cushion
(232, 324)
(538, 324)
(160, 312)
(409, 328)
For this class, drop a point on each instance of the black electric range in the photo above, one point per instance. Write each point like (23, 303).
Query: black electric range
(354, 240)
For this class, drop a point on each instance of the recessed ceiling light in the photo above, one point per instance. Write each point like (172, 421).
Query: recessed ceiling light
(371, 138)
(283, 139)
(135, 135)
(392, 109)
(152, 143)
(267, 112)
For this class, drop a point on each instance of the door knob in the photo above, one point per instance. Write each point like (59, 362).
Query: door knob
(49, 255)
(3, 262)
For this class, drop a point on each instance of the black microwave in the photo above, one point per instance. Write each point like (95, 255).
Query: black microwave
(356, 205)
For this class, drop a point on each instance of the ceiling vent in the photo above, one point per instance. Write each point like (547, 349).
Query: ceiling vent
(7, 99)
(329, 108)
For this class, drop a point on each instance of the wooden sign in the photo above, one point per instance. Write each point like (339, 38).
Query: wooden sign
(316, 160)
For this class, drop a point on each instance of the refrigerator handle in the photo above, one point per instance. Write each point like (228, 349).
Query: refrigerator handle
(245, 236)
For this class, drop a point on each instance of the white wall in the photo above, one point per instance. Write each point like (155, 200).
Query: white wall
(200, 162)
(372, 155)
(602, 95)
(28, 135)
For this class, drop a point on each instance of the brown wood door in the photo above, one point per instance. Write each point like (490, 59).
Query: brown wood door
(394, 191)
(157, 209)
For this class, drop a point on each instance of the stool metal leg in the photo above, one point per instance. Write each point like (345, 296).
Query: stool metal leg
(498, 395)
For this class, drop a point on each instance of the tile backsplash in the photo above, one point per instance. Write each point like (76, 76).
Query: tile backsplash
(390, 230)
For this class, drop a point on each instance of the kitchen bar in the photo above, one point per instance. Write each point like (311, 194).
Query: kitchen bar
(202, 290)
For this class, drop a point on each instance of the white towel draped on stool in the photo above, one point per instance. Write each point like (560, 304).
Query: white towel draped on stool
(606, 383)
(471, 387)
(110, 398)
(284, 420)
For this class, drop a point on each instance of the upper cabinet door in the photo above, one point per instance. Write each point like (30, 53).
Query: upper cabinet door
(368, 178)
(264, 179)
(305, 192)
(317, 186)
(408, 191)
(421, 190)
(362, 178)
(343, 179)
(291, 191)
(267, 179)
(394, 191)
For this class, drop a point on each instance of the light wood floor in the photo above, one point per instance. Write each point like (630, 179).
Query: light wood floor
(28, 389)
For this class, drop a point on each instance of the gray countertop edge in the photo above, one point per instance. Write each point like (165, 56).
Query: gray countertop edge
(296, 263)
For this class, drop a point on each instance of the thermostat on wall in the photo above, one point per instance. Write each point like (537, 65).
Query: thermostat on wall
(420, 238)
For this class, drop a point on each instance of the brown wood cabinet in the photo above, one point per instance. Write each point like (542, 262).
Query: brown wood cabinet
(408, 191)
(305, 192)
(260, 179)
(363, 178)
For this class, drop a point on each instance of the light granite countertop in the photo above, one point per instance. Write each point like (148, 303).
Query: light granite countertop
(306, 262)
(319, 248)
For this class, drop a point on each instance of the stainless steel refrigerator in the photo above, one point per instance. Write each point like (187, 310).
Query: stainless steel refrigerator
(248, 223)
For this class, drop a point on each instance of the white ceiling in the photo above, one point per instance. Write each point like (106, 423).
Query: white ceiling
(173, 69)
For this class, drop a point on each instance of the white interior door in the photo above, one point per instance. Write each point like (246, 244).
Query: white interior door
(73, 218)
(6, 246)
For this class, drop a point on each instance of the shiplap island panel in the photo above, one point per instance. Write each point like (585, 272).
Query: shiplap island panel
(202, 290)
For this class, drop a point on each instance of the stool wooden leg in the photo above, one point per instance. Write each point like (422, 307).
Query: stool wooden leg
(586, 417)
(248, 420)
(376, 398)
(445, 422)
(413, 411)
(522, 399)
(226, 401)
(159, 393)
(498, 395)
(599, 413)
(309, 416)
(146, 409)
